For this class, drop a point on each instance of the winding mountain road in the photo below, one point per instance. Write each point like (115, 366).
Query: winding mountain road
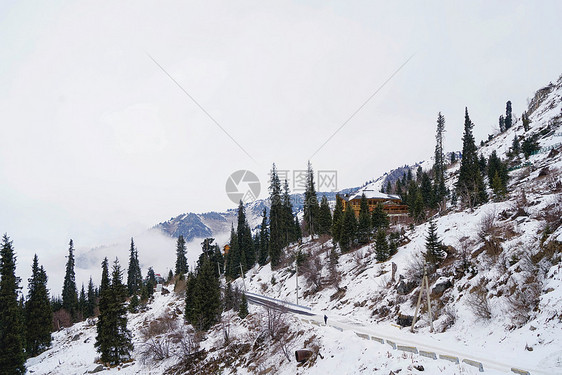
(398, 338)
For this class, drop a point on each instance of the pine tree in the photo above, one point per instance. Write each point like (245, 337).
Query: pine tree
(228, 300)
(114, 340)
(264, 240)
(439, 165)
(12, 358)
(515, 147)
(526, 121)
(275, 219)
(497, 175)
(69, 291)
(204, 300)
(419, 174)
(379, 218)
(243, 312)
(433, 245)
(482, 164)
(234, 257)
(324, 217)
(364, 224)
(502, 123)
(298, 230)
(310, 206)
(429, 199)
(151, 276)
(337, 219)
(508, 115)
(470, 184)
(245, 242)
(181, 259)
(103, 337)
(91, 297)
(213, 252)
(21, 319)
(388, 188)
(134, 276)
(82, 303)
(498, 187)
(289, 230)
(417, 207)
(38, 313)
(348, 231)
(190, 300)
(529, 146)
(381, 246)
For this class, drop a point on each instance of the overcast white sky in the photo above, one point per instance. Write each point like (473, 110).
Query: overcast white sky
(98, 144)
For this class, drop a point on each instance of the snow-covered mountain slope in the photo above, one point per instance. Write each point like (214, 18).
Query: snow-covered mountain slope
(496, 297)
(177, 350)
(498, 293)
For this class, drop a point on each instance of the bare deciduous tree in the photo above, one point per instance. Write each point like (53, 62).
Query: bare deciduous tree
(276, 322)
(312, 271)
(478, 301)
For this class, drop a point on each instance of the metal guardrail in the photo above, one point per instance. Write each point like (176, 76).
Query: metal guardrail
(414, 350)
(277, 300)
(547, 148)
(526, 164)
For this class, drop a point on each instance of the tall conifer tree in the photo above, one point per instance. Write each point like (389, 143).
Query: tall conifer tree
(429, 199)
(324, 217)
(501, 124)
(113, 340)
(508, 115)
(381, 246)
(245, 242)
(310, 207)
(234, 257)
(348, 232)
(470, 184)
(379, 218)
(91, 299)
(298, 229)
(275, 219)
(203, 303)
(69, 291)
(134, 276)
(364, 223)
(433, 245)
(288, 218)
(38, 313)
(181, 259)
(264, 240)
(337, 219)
(439, 166)
(12, 358)
(82, 302)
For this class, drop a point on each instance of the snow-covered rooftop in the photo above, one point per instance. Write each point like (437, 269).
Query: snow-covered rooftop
(372, 194)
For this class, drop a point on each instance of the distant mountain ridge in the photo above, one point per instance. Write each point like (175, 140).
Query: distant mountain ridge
(192, 225)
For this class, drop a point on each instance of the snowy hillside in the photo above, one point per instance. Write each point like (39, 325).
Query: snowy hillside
(496, 299)
(498, 295)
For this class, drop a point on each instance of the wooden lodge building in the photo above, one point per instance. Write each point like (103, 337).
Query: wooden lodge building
(391, 204)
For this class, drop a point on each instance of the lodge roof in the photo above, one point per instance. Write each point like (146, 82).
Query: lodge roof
(372, 194)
